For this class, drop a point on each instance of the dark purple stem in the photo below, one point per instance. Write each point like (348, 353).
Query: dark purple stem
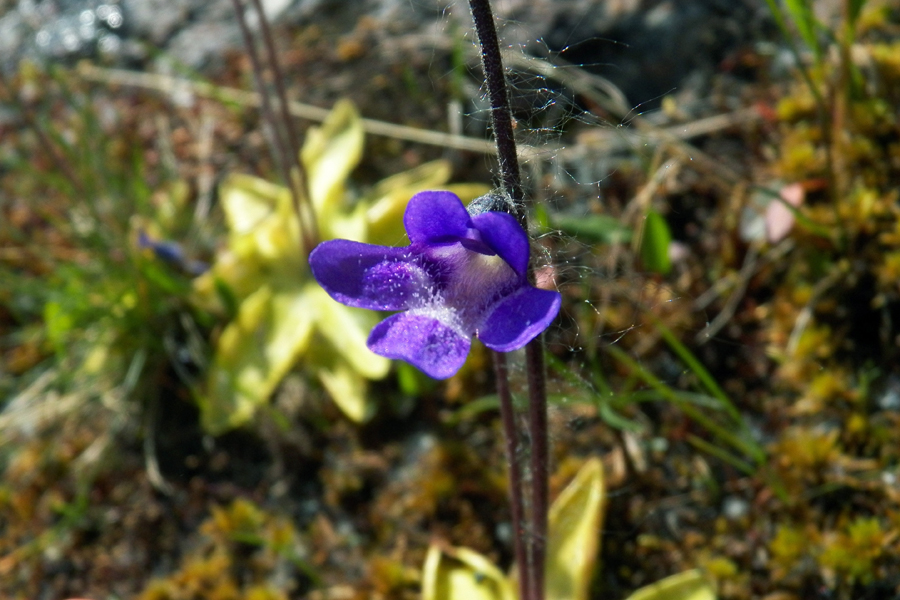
(501, 120)
(508, 418)
(501, 115)
(537, 424)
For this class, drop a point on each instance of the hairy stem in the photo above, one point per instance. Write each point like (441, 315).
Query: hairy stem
(501, 115)
(532, 570)
(537, 424)
(511, 435)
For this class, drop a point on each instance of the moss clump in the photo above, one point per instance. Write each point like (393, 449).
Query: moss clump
(854, 553)
(244, 556)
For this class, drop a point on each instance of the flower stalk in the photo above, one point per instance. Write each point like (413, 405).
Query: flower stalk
(532, 570)
(516, 500)
(501, 115)
(467, 273)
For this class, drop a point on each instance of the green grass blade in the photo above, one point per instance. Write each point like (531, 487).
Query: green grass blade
(698, 369)
(721, 454)
(745, 446)
(805, 21)
(655, 244)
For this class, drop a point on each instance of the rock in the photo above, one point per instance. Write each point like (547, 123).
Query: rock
(157, 20)
(646, 48)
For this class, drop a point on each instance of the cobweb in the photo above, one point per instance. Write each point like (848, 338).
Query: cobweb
(579, 156)
(586, 151)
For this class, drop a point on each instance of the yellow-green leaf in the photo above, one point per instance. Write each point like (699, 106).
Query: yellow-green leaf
(462, 574)
(348, 389)
(390, 197)
(576, 519)
(574, 534)
(263, 245)
(428, 175)
(171, 203)
(247, 200)
(255, 351)
(58, 324)
(329, 154)
(351, 226)
(348, 330)
(690, 585)
(263, 277)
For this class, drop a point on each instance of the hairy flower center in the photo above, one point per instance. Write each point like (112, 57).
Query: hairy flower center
(468, 284)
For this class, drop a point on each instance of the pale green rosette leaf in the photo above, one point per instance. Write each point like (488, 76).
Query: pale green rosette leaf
(576, 519)
(255, 351)
(690, 585)
(348, 329)
(347, 388)
(329, 155)
(248, 200)
(263, 243)
(463, 574)
(388, 200)
(262, 277)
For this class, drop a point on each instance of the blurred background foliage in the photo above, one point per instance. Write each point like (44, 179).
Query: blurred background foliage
(185, 415)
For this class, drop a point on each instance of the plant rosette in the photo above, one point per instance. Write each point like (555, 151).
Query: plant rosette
(261, 279)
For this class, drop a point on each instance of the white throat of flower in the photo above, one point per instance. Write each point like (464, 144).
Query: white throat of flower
(474, 283)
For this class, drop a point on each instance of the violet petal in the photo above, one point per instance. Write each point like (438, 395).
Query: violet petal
(435, 217)
(368, 276)
(506, 237)
(425, 343)
(519, 318)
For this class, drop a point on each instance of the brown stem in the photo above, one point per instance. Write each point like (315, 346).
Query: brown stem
(301, 194)
(281, 147)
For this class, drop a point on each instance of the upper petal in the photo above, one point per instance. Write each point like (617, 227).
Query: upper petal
(435, 216)
(423, 342)
(506, 237)
(519, 318)
(368, 276)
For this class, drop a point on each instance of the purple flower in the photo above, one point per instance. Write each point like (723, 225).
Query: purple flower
(463, 275)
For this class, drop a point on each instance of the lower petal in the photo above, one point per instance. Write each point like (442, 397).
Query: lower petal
(423, 342)
(519, 319)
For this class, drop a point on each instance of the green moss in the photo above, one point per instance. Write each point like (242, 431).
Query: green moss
(855, 552)
(244, 549)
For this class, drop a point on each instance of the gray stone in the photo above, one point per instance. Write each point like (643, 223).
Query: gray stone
(157, 20)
